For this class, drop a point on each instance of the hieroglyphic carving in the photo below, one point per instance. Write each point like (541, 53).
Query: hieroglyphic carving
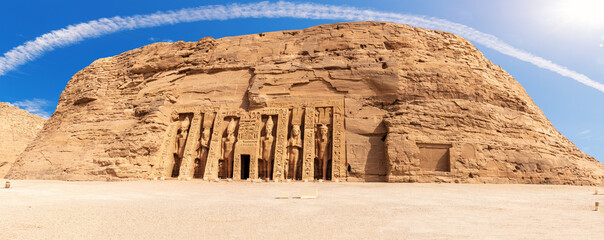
(248, 127)
(308, 164)
(247, 144)
(338, 143)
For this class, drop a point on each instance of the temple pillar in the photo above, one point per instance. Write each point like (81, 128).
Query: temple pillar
(211, 171)
(165, 156)
(187, 166)
(281, 144)
(308, 152)
(338, 168)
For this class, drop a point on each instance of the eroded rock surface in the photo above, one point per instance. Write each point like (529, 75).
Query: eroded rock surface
(414, 105)
(18, 128)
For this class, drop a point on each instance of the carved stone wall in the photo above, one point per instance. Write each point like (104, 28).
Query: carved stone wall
(308, 114)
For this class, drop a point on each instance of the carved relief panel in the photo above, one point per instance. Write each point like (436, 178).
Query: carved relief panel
(309, 144)
(338, 143)
(246, 149)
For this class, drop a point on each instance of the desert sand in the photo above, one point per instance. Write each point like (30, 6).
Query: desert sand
(244, 210)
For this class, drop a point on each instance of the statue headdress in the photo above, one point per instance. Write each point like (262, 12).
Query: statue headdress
(232, 125)
(269, 122)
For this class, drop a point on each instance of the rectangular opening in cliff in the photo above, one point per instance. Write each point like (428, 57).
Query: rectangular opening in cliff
(245, 166)
(434, 157)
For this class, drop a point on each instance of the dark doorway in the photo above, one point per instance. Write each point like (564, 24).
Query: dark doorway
(176, 168)
(245, 166)
(198, 169)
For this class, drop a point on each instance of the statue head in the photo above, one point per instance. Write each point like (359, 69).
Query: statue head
(324, 131)
(269, 125)
(174, 116)
(295, 130)
(184, 124)
(205, 134)
(231, 127)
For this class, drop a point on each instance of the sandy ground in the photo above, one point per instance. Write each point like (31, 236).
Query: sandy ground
(243, 210)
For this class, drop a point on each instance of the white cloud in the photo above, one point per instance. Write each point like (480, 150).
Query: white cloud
(34, 106)
(586, 131)
(75, 33)
(152, 39)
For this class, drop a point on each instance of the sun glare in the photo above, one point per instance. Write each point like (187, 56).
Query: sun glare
(588, 13)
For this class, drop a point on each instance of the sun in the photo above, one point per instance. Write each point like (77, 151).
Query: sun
(589, 13)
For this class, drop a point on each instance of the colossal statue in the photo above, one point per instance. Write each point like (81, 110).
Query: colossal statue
(323, 150)
(202, 152)
(179, 145)
(228, 144)
(267, 148)
(294, 144)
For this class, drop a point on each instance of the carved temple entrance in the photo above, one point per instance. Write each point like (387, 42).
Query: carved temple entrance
(284, 140)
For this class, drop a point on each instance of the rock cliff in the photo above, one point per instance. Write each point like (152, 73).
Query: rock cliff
(18, 128)
(417, 105)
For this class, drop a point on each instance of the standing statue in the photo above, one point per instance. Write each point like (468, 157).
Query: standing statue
(322, 149)
(267, 147)
(228, 144)
(294, 145)
(202, 152)
(179, 145)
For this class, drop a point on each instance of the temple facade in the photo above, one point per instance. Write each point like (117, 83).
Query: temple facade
(284, 140)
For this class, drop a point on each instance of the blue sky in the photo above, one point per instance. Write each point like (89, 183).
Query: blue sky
(569, 33)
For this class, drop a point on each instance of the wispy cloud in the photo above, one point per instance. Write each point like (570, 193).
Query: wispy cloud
(75, 33)
(586, 131)
(152, 39)
(34, 106)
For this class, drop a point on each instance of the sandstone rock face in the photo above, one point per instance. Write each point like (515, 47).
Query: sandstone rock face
(376, 101)
(18, 128)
